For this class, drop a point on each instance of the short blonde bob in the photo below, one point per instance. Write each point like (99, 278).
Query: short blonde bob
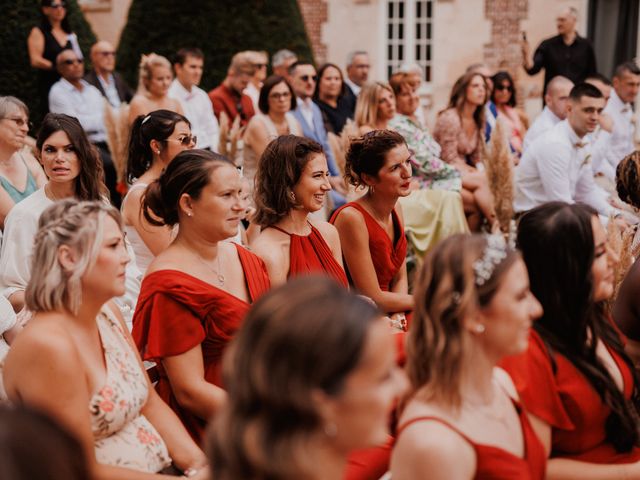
(79, 225)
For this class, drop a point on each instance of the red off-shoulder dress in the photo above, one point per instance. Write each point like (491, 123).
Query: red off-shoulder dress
(493, 463)
(176, 312)
(565, 399)
(311, 254)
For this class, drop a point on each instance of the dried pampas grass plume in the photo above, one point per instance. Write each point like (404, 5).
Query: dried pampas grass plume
(499, 168)
(622, 244)
(116, 121)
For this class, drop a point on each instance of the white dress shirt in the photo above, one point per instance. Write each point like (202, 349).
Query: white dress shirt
(621, 140)
(199, 110)
(306, 109)
(110, 90)
(557, 167)
(545, 121)
(253, 93)
(87, 105)
(599, 144)
(354, 88)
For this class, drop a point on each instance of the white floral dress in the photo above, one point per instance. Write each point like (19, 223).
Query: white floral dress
(122, 435)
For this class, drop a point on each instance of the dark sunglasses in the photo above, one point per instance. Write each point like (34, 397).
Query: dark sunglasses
(503, 87)
(58, 5)
(305, 78)
(185, 141)
(260, 65)
(72, 61)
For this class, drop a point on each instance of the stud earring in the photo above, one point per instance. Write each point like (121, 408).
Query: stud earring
(479, 328)
(330, 429)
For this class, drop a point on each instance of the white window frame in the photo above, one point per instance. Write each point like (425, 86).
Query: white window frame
(409, 41)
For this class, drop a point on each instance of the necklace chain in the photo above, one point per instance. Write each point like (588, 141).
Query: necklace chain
(219, 276)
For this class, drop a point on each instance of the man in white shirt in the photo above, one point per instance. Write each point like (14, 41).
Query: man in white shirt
(600, 137)
(626, 83)
(555, 109)
(195, 102)
(74, 96)
(557, 165)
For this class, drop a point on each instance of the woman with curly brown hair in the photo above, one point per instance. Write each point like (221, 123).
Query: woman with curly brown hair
(292, 182)
(371, 228)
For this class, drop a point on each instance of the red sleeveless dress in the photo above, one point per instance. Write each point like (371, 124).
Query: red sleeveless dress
(567, 401)
(387, 256)
(494, 463)
(176, 312)
(311, 254)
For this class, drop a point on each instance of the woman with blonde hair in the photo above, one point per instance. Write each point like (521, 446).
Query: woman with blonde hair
(320, 357)
(154, 79)
(376, 105)
(462, 418)
(87, 374)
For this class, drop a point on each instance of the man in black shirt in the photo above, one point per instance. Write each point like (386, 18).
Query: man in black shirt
(566, 54)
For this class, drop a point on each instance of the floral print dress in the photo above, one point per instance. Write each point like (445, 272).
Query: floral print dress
(122, 435)
(428, 168)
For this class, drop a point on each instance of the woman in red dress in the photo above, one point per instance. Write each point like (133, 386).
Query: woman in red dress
(311, 376)
(371, 228)
(196, 292)
(575, 380)
(462, 419)
(291, 183)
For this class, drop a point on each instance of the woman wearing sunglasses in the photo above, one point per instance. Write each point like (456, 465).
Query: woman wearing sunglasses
(46, 41)
(276, 102)
(504, 97)
(155, 140)
(20, 173)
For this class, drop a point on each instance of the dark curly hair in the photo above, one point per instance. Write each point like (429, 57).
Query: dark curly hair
(367, 154)
(628, 179)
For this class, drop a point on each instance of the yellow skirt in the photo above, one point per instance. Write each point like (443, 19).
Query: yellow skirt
(431, 216)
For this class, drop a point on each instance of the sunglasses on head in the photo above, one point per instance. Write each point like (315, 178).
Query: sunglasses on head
(185, 141)
(306, 78)
(58, 5)
(72, 61)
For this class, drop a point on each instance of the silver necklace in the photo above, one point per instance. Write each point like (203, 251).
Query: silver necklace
(219, 276)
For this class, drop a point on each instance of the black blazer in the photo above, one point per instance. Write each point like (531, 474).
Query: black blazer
(124, 91)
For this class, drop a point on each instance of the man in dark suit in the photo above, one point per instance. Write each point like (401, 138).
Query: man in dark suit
(104, 77)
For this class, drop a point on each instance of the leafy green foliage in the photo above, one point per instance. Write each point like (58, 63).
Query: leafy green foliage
(220, 28)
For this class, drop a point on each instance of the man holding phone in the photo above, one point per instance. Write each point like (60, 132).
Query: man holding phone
(567, 54)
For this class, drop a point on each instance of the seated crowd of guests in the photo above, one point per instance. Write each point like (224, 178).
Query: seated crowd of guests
(254, 316)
